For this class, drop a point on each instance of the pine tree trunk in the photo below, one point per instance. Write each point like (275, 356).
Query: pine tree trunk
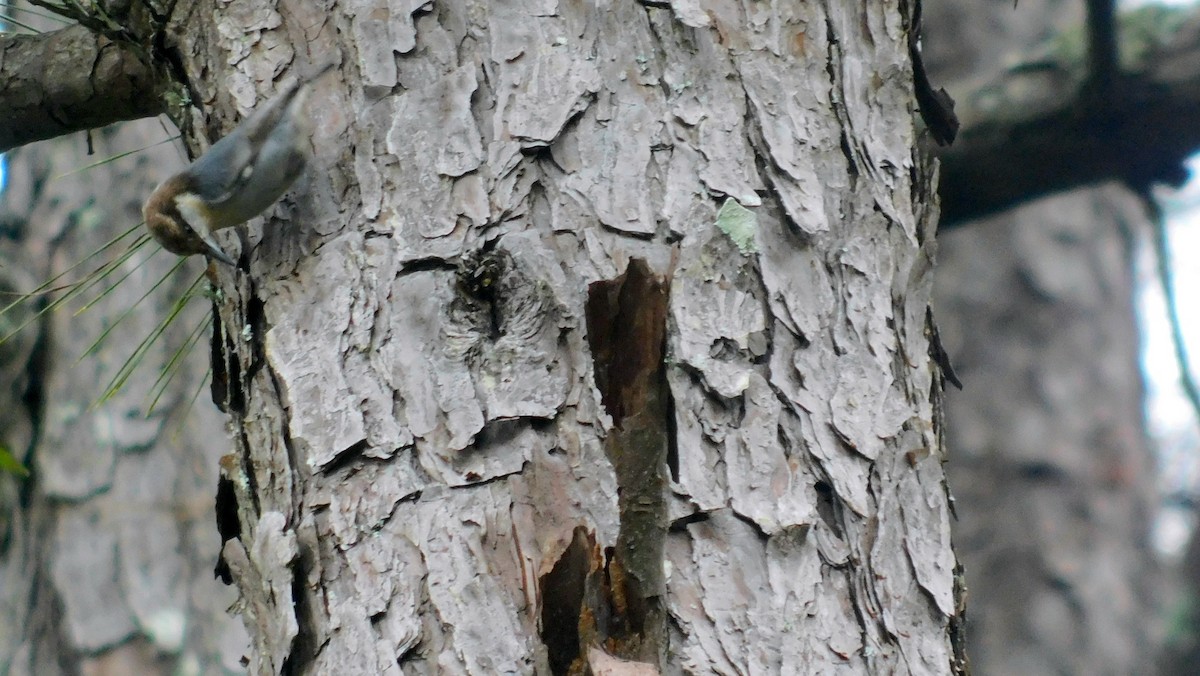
(597, 332)
(1053, 477)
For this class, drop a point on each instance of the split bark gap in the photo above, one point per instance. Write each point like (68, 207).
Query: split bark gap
(626, 320)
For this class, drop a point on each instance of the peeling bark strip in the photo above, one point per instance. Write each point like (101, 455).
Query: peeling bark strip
(627, 319)
(935, 105)
(569, 603)
(627, 322)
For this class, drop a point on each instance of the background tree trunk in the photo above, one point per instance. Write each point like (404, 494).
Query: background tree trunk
(106, 551)
(519, 389)
(1051, 470)
(1052, 473)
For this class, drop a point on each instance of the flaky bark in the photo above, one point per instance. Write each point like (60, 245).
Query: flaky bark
(458, 447)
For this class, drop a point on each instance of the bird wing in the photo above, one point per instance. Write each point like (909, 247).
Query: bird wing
(228, 164)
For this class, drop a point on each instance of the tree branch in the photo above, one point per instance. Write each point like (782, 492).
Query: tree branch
(1037, 130)
(68, 80)
(1103, 65)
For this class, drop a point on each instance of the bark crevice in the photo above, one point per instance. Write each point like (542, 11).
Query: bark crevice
(568, 620)
(627, 320)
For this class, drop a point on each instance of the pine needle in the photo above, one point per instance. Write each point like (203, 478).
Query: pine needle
(114, 158)
(34, 12)
(199, 388)
(174, 365)
(93, 278)
(1166, 279)
(44, 288)
(118, 381)
(100, 274)
(117, 283)
(129, 310)
(7, 20)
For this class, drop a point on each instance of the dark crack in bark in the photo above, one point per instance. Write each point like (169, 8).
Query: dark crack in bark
(626, 320)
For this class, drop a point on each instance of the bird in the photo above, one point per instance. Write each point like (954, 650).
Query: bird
(239, 177)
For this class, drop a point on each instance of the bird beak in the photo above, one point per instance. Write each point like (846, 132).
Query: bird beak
(217, 252)
(212, 248)
(195, 216)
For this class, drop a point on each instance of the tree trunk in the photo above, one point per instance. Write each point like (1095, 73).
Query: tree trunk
(1053, 477)
(1052, 474)
(107, 548)
(597, 332)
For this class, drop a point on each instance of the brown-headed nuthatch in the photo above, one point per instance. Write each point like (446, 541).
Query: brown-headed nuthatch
(237, 179)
